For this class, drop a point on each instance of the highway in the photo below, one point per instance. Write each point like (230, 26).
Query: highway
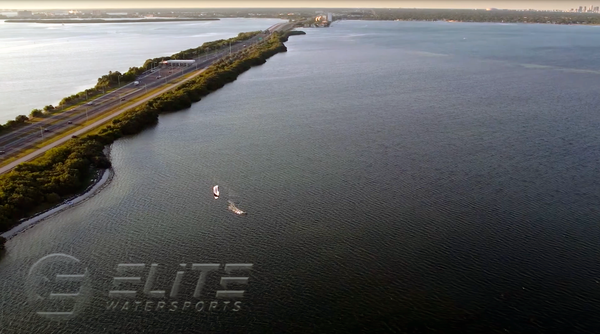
(31, 135)
(92, 126)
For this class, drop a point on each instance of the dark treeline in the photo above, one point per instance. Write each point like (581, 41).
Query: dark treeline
(207, 47)
(464, 15)
(65, 170)
(106, 21)
(14, 124)
(114, 79)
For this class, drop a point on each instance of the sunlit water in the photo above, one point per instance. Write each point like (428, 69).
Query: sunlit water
(43, 63)
(396, 175)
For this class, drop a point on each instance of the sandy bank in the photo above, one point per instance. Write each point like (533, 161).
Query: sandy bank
(100, 182)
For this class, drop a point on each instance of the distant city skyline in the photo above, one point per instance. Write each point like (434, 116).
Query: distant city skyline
(462, 4)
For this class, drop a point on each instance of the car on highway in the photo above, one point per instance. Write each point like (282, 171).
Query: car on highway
(122, 99)
(89, 104)
(74, 136)
(2, 152)
(46, 130)
(70, 122)
(158, 77)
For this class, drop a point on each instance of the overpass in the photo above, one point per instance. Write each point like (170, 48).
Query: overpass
(280, 27)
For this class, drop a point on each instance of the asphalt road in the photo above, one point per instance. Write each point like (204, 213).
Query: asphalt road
(32, 134)
(92, 126)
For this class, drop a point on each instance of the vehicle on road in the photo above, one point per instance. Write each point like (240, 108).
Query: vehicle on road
(70, 122)
(2, 152)
(135, 83)
(46, 130)
(122, 99)
(74, 136)
(158, 77)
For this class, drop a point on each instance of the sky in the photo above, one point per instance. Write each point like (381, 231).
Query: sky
(503, 4)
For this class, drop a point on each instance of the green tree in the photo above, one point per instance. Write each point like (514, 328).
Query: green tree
(64, 170)
(52, 198)
(36, 113)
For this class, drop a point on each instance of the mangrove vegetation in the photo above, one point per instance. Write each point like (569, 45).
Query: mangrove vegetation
(66, 170)
(115, 79)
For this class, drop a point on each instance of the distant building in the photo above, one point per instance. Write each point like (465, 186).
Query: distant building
(178, 62)
(24, 13)
(329, 17)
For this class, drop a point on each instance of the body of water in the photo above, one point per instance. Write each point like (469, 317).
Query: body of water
(43, 63)
(425, 177)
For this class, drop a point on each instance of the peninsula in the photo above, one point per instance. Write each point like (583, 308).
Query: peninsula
(64, 171)
(70, 21)
(489, 15)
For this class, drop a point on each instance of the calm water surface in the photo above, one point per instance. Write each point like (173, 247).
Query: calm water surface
(414, 176)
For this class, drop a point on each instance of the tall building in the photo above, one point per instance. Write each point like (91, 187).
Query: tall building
(580, 9)
(24, 13)
(329, 17)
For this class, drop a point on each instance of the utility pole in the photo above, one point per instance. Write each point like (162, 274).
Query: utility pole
(42, 132)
